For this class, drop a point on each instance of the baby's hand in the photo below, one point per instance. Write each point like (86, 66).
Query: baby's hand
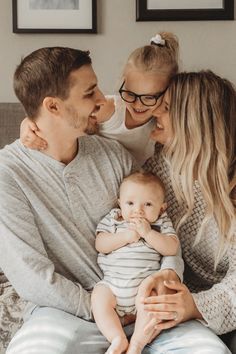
(28, 135)
(142, 226)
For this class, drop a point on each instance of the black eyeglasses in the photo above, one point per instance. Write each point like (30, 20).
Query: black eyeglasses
(147, 100)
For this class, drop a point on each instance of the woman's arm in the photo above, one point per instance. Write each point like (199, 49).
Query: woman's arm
(215, 306)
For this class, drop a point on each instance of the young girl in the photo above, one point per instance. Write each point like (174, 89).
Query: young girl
(128, 117)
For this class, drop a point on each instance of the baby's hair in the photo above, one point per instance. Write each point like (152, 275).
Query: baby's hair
(145, 178)
(161, 58)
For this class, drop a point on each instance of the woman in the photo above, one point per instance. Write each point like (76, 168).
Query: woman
(196, 125)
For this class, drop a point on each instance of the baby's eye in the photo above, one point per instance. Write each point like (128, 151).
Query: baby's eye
(148, 204)
(130, 203)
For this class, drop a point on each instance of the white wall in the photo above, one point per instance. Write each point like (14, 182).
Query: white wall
(204, 44)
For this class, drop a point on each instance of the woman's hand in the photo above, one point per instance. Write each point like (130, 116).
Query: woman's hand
(153, 286)
(156, 283)
(171, 309)
(29, 137)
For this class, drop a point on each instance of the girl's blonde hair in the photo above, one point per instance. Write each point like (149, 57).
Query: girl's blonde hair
(203, 118)
(161, 58)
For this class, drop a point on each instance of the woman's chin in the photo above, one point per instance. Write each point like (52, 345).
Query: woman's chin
(158, 136)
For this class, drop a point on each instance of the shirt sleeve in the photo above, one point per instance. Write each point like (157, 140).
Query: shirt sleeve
(175, 263)
(24, 260)
(218, 304)
(166, 226)
(107, 224)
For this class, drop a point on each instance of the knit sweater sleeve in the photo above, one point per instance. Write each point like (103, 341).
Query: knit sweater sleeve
(218, 304)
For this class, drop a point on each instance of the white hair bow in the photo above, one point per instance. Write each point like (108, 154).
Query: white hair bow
(158, 40)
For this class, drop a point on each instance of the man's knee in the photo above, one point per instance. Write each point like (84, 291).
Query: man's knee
(51, 331)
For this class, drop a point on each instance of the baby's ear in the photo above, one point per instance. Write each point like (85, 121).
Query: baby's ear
(163, 208)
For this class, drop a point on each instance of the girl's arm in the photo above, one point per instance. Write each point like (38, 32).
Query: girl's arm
(29, 137)
(107, 242)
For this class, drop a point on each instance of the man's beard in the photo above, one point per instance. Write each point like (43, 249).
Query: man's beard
(91, 128)
(77, 123)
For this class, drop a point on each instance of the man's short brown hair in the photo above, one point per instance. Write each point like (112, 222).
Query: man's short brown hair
(45, 72)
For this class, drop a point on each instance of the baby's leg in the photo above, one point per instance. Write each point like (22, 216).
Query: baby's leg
(139, 339)
(107, 320)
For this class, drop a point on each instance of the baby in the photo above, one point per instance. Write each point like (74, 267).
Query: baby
(131, 241)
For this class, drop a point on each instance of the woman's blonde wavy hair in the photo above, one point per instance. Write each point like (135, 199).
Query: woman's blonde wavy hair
(203, 118)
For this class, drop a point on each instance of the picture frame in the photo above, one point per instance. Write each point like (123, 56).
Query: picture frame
(54, 16)
(184, 10)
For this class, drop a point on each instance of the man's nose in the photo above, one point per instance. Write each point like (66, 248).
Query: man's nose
(100, 98)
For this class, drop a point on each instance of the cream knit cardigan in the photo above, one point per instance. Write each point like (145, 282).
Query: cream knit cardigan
(214, 291)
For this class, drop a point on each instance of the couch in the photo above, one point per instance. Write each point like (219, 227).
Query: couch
(11, 306)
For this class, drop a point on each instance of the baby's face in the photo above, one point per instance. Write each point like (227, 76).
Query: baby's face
(141, 201)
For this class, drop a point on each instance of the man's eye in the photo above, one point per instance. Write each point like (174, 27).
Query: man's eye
(89, 94)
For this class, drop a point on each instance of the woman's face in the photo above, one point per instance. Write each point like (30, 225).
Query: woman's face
(162, 132)
(143, 83)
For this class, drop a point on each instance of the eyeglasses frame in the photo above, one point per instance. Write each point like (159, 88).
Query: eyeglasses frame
(136, 96)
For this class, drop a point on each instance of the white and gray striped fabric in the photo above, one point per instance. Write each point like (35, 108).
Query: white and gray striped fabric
(125, 268)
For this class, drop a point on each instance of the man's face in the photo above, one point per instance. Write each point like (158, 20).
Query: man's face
(84, 101)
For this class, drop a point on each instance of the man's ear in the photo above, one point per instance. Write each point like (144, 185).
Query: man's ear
(51, 104)
(163, 208)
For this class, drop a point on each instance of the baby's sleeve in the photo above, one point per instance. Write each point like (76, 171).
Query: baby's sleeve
(107, 224)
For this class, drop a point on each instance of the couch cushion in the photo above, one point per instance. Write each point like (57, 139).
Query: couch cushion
(11, 115)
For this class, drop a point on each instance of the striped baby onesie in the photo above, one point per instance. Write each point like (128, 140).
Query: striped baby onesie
(125, 268)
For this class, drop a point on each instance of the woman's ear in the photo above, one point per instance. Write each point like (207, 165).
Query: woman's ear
(51, 104)
(163, 208)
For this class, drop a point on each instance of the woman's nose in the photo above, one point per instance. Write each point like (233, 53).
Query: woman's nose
(158, 111)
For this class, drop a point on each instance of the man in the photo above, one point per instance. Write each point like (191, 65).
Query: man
(51, 202)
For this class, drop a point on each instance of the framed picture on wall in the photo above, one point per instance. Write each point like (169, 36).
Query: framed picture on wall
(54, 16)
(184, 10)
